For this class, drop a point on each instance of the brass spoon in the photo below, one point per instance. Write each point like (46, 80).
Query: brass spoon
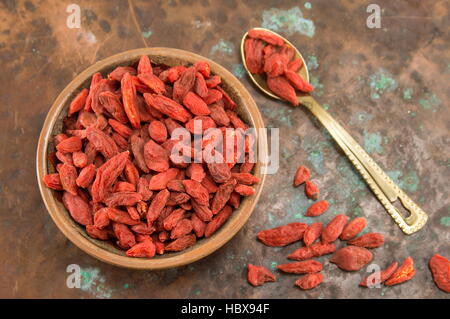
(381, 184)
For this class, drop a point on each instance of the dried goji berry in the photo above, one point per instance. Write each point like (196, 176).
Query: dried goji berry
(200, 85)
(244, 190)
(159, 181)
(258, 275)
(113, 104)
(96, 233)
(275, 65)
(222, 195)
(213, 81)
(309, 281)
(301, 267)
(145, 249)
(295, 65)
(144, 65)
(298, 82)
(156, 206)
(173, 218)
(120, 216)
(203, 67)
(404, 273)
(102, 142)
(79, 210)
(213, 96)
(440, 268)
(245, 178)
(53, 181)
(153, 82)
(184, 84)
(333, 230)
(80, 159)
(195, 104)
(122, 199)
(198, 226)
(311, 190)
(86, 176)
(119, 71)
(317, 209)
(352, 258)
(282, 235)
(68, 176)
(267, 36)
(101, 218)
(253, 49)
(369, 240)
(129, 100)
(301, 175)
(181, 243)
(202, 211)
(379, 277)
(314, 250)
(196, 191)
(69, 145)
(353, 228)
(167, 106)
(219, 115)
(218, 221)
(78, 102)
(280, 86)
(156, 157)
(124, 235)
(182, 228)
(312, 233)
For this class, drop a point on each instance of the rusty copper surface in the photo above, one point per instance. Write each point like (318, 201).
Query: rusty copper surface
(387, 86)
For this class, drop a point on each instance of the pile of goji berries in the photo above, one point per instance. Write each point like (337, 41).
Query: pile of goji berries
(267, 53)
(114, 158)
(349, 258)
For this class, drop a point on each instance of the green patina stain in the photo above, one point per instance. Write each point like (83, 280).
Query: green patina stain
(93, 283)
(308, 5)
(430, 102)
(316, 158)
(380, 83)
(326, 106)
(223, 47)
(315, 150)
(282, 114)
(289, 21)
(372, 142)
(407, 93)
(126, 286)
(408, 181)
(197, 292)
(318, 87)
(312, 62)
(445, 221)
(360, 118)
(147, 34)
(273, 265)
(238, 70)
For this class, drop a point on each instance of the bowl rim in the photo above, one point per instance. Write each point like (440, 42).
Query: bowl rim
(226, 232)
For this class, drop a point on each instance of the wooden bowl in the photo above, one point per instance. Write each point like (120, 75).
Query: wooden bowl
(105, 251)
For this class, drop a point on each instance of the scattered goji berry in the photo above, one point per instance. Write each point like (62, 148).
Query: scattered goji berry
(309, 281)
(258, 275)
(317, 209)
(311, 190)
(353, 228)
(369, 240)
(312, 233)
(301, 175)
(352, 258)
(379, 277)
(282, 235)
(404, 273)
(301, 267)
(440, 268)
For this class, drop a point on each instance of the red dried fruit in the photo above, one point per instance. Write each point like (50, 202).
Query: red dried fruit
(245, 178)
(69, 145)
(120, 128)
(295, 65)
(280, 86)
(213, 81)
(182, 228)
(440, 268)
(144, 65)
(352, 258)
(222, 195)
(96, 77)
(282, 235)
(153, 82)
(353, 228)
(227, 100)
(333, 230)
(220, 172)
(195, 104)
(311, 190)
(200, 85)
(218, 221)
(404, 273)
(144, 249)
(173, 218)
(143, 229)
(86, 176)
(120, 216)
(198, 226)
(176, 185)
(113, 104)
(107, 175)
(369, 240)
(203, 67)
(53, 181)
(200, 123)
(202, 211)
(196, 172)
(102, 142)
(167, 106)
(315, 250)
(80, 159)
(78, 102)
(275, 65)
(184, 84)
(298, 82)
(96, 233)
(68, 176)
(213, 96)
(301, 175)
(254, 55)
(181, 243)
(172, 74)
(197, 191)
(301, 267)
(129, 100)
(156, 157)
(219, 115)
(379, 277)
(157, 131)
(258, 275)
(159, 181)
(312, 233)
(101, 218)
(156, 206)
(79, 210)
(267, 36)
(309, 281)
(124, 235)
(317, 209)
(122, 199)
(244, 190)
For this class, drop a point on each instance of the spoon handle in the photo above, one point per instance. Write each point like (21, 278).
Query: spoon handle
(381, 184)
